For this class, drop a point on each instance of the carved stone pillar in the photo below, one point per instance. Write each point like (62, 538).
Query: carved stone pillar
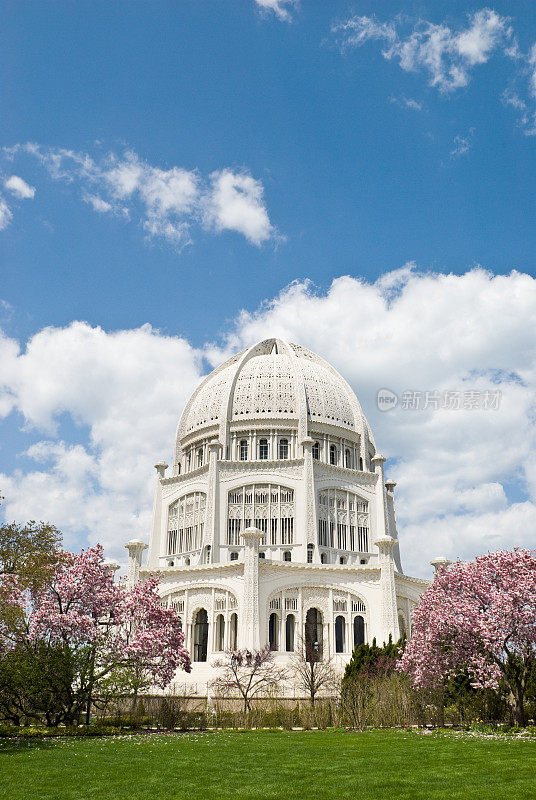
(135, 550)
(309, 483)
(389, 614)
(250, 627)
(211, 536)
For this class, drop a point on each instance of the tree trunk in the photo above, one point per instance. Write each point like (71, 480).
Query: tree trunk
(517, 705)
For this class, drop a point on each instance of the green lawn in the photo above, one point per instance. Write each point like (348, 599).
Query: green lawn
(269, 764)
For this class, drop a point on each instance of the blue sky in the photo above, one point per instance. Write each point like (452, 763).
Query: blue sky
(265, 143)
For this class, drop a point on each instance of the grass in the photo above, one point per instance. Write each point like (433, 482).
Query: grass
(270, 764)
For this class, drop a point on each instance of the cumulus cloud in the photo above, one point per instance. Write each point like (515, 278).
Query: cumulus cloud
(235, 202)
(281, 8)
(126, 389)
(166, 202)
(409, 331)
(19, 188)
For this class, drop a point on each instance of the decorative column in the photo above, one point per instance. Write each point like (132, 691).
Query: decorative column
(389, 613)
(135, 550)
(381, 527)
(211, 512)
(310, 499)
(111, 565)
(440, 562)
(250, 616)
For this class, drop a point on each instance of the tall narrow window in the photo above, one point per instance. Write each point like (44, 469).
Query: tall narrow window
(220, 632)
(233, 632)
(283, 449)
(200, 457)
(316, 451)
(323, 558)
(289, 633)
(263, 449)
(310, 551)
(359, 631)
(332, 454)
(207, 554)
(348, 459)
(200, 635)
(339, 634)
(361, 464)
(313, 635)
(272, 631)
(243, 450)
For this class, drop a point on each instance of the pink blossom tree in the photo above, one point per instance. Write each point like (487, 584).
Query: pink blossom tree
(478, 616)
(93, 629)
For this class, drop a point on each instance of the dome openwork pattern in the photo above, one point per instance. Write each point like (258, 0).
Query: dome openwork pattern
(273, 380)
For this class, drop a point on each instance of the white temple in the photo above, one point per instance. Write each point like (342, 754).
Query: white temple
(276, 518)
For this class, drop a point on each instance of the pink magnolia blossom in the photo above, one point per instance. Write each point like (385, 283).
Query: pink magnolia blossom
(478, 616)
(82, 607)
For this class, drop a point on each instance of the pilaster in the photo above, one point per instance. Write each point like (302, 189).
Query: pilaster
(310, 494)
(389, 615)
(250, 615)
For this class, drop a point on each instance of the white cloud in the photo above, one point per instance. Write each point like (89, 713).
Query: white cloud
(358, 30)
(166, 202)
(407, 331)
(235, 202)
(98, 204)
(19, 188)
(406, 102)
(279, 7)
(6, 215)
(462, 144)
(446, 55)
(127, 389)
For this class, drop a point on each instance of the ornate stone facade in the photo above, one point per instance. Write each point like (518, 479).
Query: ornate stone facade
(276, 506)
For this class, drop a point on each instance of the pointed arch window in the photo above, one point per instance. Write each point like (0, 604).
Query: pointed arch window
(283, 449)
(233, 632)
(310, 552)
(333, 455)
(316, 451)
(359, 630)
(263, 449)
(339, 634)
(200, 635)
(348, 458)
(272, 631)
(290, 623)
(313, 635)
(243, 450)
(220, 632)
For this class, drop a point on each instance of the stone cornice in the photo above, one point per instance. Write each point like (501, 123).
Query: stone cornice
(418, 581)
(357, 475)
(185, 476)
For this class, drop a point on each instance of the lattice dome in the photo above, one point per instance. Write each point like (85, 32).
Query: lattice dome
(273, 380)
